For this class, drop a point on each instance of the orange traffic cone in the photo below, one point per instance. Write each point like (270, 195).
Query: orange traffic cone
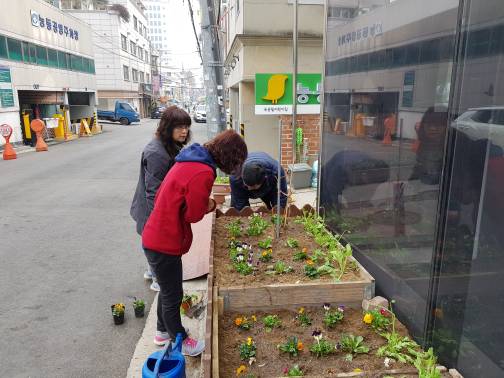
(38, 126)
(8, 153)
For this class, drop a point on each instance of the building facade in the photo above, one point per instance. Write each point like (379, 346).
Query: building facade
(412, 166)
(257, 38)
(47, 67)
(122, 52)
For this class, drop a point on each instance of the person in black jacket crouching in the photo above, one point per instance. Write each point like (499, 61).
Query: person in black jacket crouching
(258, 179)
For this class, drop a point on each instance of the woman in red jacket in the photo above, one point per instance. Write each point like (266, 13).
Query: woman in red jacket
(182, 199)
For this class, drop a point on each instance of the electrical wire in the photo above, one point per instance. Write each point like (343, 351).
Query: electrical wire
(194, 30)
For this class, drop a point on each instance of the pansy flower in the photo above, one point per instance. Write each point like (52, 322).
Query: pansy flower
(341, 308)
(241, 370)
(327, 306)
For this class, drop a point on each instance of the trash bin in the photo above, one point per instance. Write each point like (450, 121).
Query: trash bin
(301, 175)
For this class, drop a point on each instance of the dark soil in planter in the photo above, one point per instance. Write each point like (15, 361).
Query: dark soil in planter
(225, 275)
(270, 362)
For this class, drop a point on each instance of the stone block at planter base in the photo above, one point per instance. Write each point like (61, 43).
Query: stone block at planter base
(375, 303)
(455, 374)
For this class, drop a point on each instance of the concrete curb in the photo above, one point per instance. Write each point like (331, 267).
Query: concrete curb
(146, 347)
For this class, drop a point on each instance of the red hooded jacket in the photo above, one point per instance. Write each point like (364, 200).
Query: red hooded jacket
(181, 200)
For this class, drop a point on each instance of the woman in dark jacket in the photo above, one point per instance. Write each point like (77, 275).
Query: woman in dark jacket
(183, 199)
(158, 157)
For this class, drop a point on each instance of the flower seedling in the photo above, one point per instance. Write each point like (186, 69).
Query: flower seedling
(293, 346)
(271, 321)
(118, 309)
(266, 255)
(292, 243)
(399, 348)
(303, 318)
(243, 268)
(265, 244)
(300, 255)
(380, 320)
(248, 350)
(281, 268)
(310, 270)
(294, 371)
(138, 304)
(321, 347)
(333, 317)
(244, 323)
(257, 225)
(234, 229)
(353, 345)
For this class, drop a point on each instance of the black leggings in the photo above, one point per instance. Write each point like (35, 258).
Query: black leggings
(168, 270)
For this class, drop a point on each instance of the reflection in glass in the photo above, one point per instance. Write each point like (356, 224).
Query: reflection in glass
(387, 86)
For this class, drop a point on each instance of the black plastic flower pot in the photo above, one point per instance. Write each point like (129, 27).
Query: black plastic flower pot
(139, 312)
(118, 319)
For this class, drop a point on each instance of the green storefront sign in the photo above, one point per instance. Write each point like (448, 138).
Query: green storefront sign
(5, 76)
(6, 98)
(274, 95)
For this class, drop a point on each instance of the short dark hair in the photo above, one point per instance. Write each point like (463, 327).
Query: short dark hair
(228, 150)
(173, 116)
(253, 174)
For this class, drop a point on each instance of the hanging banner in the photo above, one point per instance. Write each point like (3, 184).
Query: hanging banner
(273, 93)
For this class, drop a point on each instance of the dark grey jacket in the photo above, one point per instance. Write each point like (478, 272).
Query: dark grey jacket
(154, 166)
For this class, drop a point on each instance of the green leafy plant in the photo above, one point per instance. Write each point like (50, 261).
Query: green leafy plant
(271, 321)
(275, 219)
(426, 365)
(257, 225)
(341, 256)
(294, 371)
(243, 268)
(311, 271)
(333, 317)
(138, 304)
(318, 256)
(303, 318)
(292, 346)
(234, 229)
(280, 268)
(321, 347)
(292, 243)
(353, 345)
(399, 348)
(265, 244)
(300, 255)
(248, 349)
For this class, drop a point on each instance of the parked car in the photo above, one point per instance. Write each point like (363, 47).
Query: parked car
(123, 113)
(157, 112)
(200, 113)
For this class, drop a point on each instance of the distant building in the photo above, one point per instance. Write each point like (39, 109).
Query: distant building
(46, 66)
(122, 48)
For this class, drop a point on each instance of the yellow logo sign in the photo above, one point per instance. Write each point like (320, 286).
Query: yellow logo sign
(276, 88)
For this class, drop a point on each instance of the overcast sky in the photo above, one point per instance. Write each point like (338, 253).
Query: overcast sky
(181, 40)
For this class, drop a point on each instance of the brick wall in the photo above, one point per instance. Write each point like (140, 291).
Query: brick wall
(310, 124)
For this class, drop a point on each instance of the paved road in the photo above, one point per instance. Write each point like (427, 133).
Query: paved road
(68, 250)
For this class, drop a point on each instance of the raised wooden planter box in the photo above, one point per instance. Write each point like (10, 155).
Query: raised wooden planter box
(273, 296)
(219, 192)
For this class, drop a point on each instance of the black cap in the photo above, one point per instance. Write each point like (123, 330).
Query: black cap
(253, 174)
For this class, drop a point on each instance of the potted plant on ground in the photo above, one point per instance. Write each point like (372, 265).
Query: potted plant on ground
(139, 307)
(118, 313)
(220, 189)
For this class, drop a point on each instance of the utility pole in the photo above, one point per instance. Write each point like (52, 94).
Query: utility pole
(213, 75)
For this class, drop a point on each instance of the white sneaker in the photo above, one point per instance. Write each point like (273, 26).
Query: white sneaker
(192, 347)
(148, 275)
(155, 286)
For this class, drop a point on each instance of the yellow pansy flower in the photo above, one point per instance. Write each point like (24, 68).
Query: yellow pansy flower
(368, 318)
(249, 341)
(241, 370)
(301, 310)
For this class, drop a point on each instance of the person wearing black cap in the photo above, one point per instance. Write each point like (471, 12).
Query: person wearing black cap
(258, 179)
